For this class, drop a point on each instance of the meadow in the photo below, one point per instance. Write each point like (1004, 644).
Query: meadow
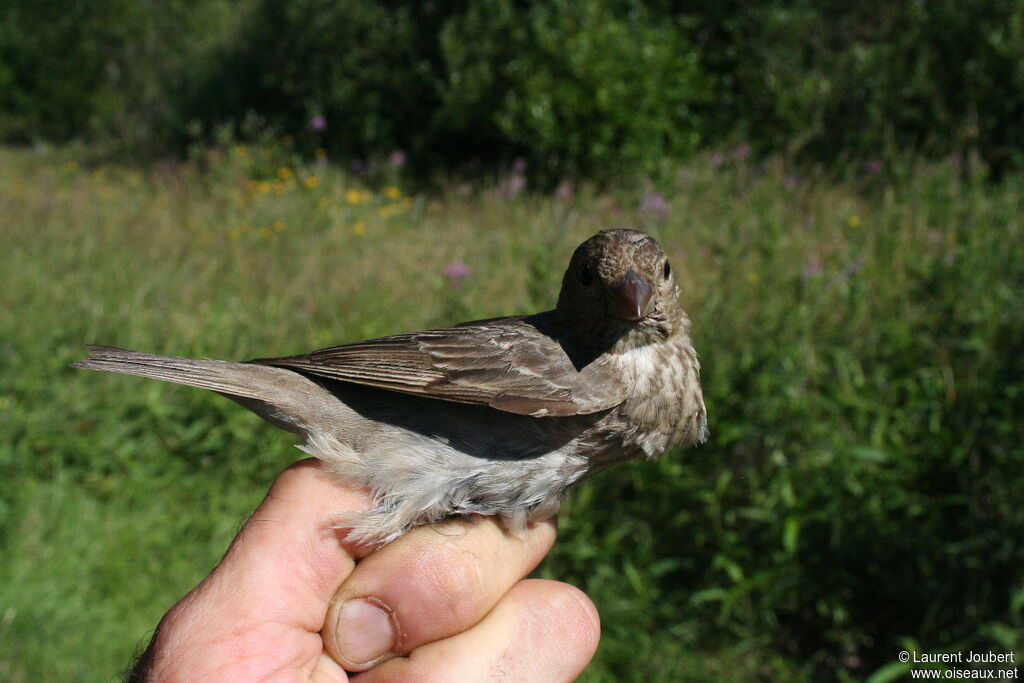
(862, 340)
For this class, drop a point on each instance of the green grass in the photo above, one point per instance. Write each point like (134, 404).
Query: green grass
(863, 349)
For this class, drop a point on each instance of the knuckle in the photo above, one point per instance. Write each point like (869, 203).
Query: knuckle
(294, 473)
(456, 582)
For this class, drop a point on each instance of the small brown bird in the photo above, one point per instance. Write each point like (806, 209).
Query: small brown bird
(492, 417)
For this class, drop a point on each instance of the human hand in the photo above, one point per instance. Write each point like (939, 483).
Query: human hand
(291, 600)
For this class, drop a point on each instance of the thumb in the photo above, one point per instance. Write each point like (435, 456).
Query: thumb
(287, 561)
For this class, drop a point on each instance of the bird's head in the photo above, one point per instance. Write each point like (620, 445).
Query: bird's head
(619, 288)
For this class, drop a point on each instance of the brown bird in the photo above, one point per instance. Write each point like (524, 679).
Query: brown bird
(492, 417)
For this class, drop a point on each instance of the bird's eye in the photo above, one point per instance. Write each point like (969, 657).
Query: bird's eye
(586, 275)
(668, 270)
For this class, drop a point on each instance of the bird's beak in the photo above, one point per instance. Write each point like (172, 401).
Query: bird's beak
(631, 297)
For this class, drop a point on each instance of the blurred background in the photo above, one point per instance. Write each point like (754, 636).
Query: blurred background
(840, 187)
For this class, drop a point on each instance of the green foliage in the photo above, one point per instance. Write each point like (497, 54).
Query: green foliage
(587, 87)
(863, 351)
(580, 87)
(362, 66)
(110, 67)
(877, 79)
(52, 92)
(592, 89)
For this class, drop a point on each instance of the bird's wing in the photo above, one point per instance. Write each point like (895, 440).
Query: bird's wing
(505, 363)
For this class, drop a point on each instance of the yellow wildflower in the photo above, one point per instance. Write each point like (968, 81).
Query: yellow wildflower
(853, 221)
(311, 181)
(237, 231)
(359, 228)
(354, 196)
(279, 225)
(392, 192)
(284, 173)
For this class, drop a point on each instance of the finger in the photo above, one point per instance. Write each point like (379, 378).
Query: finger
(263, 606)
(432, 583)
(287, 561)
(326, 670)
(539, 631)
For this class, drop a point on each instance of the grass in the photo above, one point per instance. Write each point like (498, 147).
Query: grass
(863, 348)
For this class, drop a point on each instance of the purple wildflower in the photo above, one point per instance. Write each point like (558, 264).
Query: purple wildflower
(715, 159)
(874, 166)
(654, 205)
(742, 152)
(519, 165)
(397, 158)
(565, 190)
(318, 123)
(455, 272)
(511, 188)
(792, 182)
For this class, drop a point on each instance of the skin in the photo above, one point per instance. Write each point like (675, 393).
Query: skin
(292, 601)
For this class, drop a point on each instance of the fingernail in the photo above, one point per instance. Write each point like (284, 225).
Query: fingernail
(365, 630)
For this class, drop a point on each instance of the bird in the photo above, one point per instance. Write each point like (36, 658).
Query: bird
(490, 417)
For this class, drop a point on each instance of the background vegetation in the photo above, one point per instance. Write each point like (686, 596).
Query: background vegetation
(862, 344)
(838, 185)
(594, 87)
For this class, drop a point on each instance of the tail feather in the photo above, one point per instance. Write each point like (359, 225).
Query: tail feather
(282, 397)
(215, 375)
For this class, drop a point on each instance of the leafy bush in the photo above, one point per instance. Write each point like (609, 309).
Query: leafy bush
(596, 87)
(578, 88)
(362, 67)
(872, 78)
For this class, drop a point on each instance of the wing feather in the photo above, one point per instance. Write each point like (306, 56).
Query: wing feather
(512, 364)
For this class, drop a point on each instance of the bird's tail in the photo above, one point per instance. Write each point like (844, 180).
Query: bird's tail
(282, 397)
